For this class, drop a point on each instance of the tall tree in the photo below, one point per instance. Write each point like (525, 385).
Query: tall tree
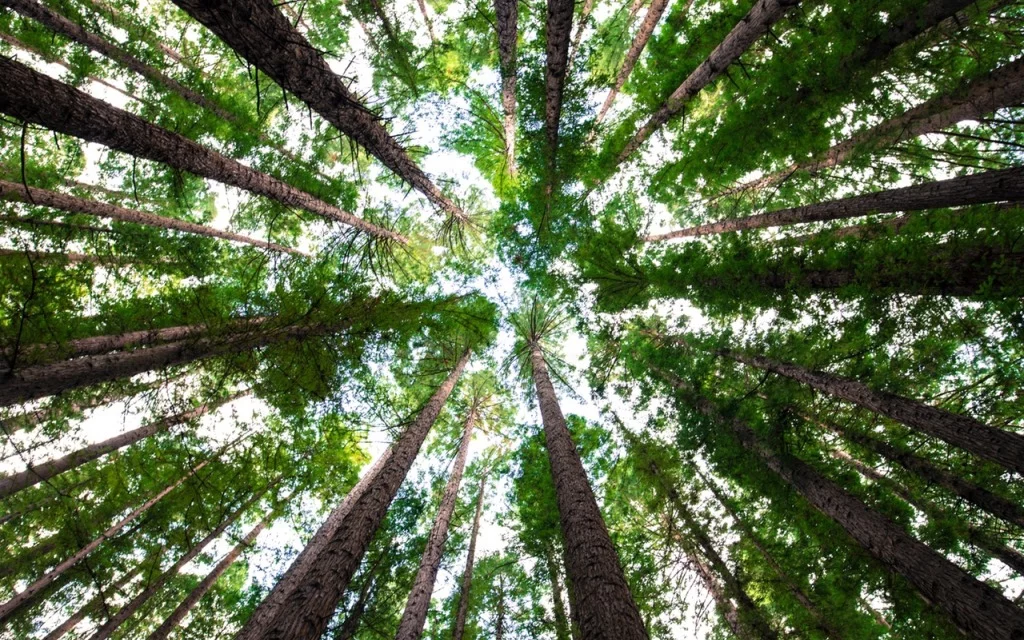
(465, 586)
(507, 14)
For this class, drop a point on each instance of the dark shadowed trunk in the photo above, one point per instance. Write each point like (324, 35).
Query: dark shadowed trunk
(459, 629)
(558, 29)
(557, 597)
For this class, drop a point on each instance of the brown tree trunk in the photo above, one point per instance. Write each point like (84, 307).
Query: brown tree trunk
(24, 421)
(23, 597)
(558, 29)
(459, 630)
(557, 598)
(426, 19)
(753, 25)
(643, 34)
(605, 605)
(981, 188)
(55, 224)
(92, 605)
(307, 610)
(157, 583)
(499, 622)
(416, 607)
(976, 608)
(182, 610)
(13, 192)
(33, 97)
(34, 474)
(726, 607)
(1000, 446)
(1001, 88)
(588, 6)
(258, 32)
(507, 13)
(348, 629)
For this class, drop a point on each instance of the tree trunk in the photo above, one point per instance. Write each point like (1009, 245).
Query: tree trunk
(258, 32)
(753, 25)
(588, 6)
(13, 192)
(557, 599)
(56, 224)
(207, 583)
(507, 13)
(15, 603)
(605, 605)
(426, 19)
(977, 609)
(558, 29)
(295, 576)
(33, 97)
(643, 34)
(34, 474)
(92, 605)
(459, 629)
(24, 421)
(157, 583)
(308, 609)
(355, 614)
(70, 257)
(979, 538)
(1001, 88)
(1002, 447)
(499, 622)
(726, 607)
(13, 564)
(418, 604)
(980, 188)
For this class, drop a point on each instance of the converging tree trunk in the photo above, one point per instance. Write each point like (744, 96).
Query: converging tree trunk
(258, 32)
(459, 629)
(981, 188)
(588, 7)
(34, 97)
(25, 421)
(416, 607)
(558, 29)
(308, 609)
(90, 607)
(557, 596)
(507, 14)
(605, 605)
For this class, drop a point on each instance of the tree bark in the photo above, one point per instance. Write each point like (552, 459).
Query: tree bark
(416, 607)
(1000, 446)
(459, 629)
(258, 32)
(92, 605)
(605, 605)
(10, 607)
(34, 474)
(1003, 87)
(977, 609)
(507, 13)
(753, 25)
(558, 29)
(981, 188)
(308, 609)
(33, 97)
(557, 599)
(13, 192)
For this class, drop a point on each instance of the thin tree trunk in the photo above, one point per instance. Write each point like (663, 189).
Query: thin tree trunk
(644, 34)
(998, 445)
(416, 607)
(24, 421)
(33, 97)
(57, 224)
(875, 613)
(605, 605)
(499, 622)
(753, 25)
(258, 32)
(70, 257)
(507, 13)
(976, 608)
(308, 609)
(1009, 556)
(21, 598)
(726, 607)
(348, 629)
(193, 598)
(13, 564)
(459, 629)
(980, 188)
(13, 192)
(129, 609)
(426, 19)
(588, 6)
(1001, 88)
(92, 605)
(557, 599)
(34, 474)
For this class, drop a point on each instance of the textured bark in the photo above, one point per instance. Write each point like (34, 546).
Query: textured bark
(753, 25)
(308, 609)
(13, 192)
(979, 538)
(459, 629)
(154, 585)
(296, 573)
(643, 34)
(258, 32)
(194, 596)
(558, 29)
(977, 609)
(1002, 447)
(557, 598)
(932, 474)
(91, 606)
(1001, 88)
(23, 597)
(34, 474)
(33, 97)
(507, 14)
(416, 607)
(981, 188)
(605, 605)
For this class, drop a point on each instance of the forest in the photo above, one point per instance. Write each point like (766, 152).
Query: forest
(512, 319)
